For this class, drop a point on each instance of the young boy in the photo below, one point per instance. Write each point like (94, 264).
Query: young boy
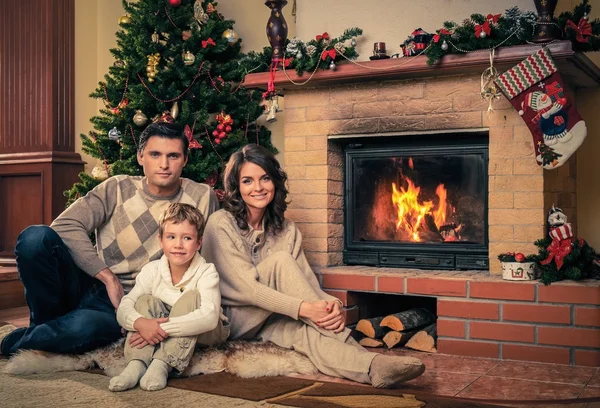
(174, 305)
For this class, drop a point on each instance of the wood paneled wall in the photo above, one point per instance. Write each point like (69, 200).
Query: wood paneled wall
(37, 140)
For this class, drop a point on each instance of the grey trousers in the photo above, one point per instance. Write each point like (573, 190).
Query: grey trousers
(337, 355)
(175, 351)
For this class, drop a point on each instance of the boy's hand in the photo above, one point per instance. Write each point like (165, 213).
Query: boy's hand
(150, 329)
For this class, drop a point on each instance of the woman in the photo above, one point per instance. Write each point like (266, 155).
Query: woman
(268, 289)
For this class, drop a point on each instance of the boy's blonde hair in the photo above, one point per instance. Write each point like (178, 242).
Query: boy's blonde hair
(178, 213)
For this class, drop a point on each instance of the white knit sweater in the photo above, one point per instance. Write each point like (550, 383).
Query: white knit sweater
(155, 279)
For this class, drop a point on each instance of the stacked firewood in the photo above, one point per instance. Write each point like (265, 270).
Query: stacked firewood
(414, 328)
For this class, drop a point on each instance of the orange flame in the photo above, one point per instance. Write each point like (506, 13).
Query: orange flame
(412, 212)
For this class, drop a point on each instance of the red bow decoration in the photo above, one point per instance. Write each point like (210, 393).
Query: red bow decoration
(558, 250)
(164, 118)
(324, 36)
(193, 143)
(208, 42)
(493, 18)
(583, 30)
(485, 27)
(328, 53)
(437, 37)
(287, 61)
(224, 118)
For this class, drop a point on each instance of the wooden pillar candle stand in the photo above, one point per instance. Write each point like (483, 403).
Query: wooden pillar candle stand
(277, 30)
(546, 30)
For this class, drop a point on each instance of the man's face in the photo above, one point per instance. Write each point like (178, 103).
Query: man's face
(162, 160)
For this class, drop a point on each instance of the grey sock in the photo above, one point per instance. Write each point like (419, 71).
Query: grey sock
(156, 376)
(129, 377)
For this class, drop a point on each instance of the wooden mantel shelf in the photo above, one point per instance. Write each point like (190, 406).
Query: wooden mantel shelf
(575, 68)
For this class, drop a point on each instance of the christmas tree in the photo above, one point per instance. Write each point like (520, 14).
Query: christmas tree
(175, 60)
(549, 156)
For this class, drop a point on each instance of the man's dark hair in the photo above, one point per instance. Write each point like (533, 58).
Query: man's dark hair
(166, 130)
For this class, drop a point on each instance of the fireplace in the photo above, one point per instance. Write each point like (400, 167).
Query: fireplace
(417, 201)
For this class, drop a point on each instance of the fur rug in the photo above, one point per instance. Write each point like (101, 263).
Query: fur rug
(244, 359)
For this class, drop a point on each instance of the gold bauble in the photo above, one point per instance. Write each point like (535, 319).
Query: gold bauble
(124, 20)
(150, 79)
(100, 172)
(231, 36)
(174, 110)
(188, 58)
(139, 118)
(151, 75)
(155, 37)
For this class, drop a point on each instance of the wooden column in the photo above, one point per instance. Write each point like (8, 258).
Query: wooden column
(37, 139)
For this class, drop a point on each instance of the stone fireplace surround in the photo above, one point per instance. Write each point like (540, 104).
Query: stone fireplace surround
(478, 313)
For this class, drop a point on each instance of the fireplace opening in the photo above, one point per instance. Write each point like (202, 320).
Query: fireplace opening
(418, 202)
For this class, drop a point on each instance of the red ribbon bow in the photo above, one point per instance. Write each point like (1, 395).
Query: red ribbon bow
(208, 42)
(324, 36)
(485, 27)
(558, 250)
(436, 37)
(328, 53)
(583, 30)
(493, 18)
(287, 61)
(190, 137)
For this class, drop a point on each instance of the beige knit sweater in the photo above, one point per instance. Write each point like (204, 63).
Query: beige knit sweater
(236, 253)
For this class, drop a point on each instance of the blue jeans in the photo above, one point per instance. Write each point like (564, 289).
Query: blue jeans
(70, 311)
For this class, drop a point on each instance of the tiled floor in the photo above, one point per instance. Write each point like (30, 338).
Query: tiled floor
(470, 377)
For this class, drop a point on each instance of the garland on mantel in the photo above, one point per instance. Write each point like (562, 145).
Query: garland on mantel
(514, 27)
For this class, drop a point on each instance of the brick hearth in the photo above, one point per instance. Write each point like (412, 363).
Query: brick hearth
(479, 314)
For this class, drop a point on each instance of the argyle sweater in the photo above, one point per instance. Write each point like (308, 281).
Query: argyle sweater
(124, 215)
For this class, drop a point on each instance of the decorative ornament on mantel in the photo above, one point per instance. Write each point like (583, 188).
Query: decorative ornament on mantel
(546, 29)
(277, 30)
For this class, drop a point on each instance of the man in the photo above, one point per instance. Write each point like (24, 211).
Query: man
(73, 288)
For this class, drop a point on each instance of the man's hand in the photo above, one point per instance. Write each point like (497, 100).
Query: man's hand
(150, 330)
(335, 320)
(113, 286)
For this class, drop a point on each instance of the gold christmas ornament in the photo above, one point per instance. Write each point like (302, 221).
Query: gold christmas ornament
(155, 37)
(188, 58)
(140, 119)
(124, 19)
(174, 110)
(100, 172)
(272, 115)
(231, 36)
(489, 90)
(199, 14)
(152, 66)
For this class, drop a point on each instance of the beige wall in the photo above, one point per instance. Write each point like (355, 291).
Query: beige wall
(383, 20)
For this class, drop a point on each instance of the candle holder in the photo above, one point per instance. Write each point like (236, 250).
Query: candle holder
(277, 30)
(545, 31)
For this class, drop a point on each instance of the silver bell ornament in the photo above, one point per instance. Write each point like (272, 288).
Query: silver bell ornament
(445, 46)
(332, 66)
(482, 34)
(114, 134)
(272, 116)
(585, 16)
(353, 42)
(299, 55)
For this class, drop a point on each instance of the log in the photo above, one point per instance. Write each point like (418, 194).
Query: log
(424, 340)
(371, 327)
(396, 338)
(369, 342)
(409, 319)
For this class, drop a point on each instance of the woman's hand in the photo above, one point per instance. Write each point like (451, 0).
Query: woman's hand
(313, 311)
(335, 320)
(150, 330)
(137, 341)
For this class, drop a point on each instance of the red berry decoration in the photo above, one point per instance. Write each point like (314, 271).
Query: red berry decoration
(222, 135)
(228, 129)
(174, 3)
(519, 257)
(218, 141)
(220, 127)
(215, 133)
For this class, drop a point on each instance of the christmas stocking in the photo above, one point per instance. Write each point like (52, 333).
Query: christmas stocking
(535, 88)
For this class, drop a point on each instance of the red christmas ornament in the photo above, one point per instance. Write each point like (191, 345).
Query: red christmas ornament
(228, 129)
(220, 127)
(222, 135)
(519, 257)
(218, 141)
(174, 3)
(215, 133)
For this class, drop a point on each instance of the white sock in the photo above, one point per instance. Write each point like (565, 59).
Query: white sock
(156, 376)
(129, 377)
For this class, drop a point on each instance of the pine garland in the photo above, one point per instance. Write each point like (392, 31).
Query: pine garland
(578, 264)
(514, 27)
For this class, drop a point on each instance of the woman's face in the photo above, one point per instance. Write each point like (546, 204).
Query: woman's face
(256, 187)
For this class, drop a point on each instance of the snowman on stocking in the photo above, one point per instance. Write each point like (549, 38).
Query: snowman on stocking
(535, 88)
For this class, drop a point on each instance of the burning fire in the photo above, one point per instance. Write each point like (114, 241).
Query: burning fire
(412, 213)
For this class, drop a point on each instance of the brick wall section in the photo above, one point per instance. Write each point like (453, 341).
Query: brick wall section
(520, 193)
(484, 316)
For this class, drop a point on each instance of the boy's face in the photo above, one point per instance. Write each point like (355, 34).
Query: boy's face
(180, 243)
